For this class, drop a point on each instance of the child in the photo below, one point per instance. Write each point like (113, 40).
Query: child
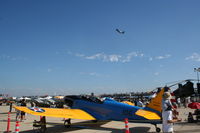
(190, 118)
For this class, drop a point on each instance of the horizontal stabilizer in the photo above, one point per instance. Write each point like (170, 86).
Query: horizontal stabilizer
(148, 114)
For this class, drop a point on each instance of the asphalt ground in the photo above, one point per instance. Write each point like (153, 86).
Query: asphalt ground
(55, 125)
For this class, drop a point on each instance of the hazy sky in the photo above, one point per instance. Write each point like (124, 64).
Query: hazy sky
(71, 46)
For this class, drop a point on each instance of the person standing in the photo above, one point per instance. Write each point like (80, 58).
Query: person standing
(10, 110)
(32, 104)
(140, 104)
(179, 102)
(167, 114)
(23, 103)
(18, 112)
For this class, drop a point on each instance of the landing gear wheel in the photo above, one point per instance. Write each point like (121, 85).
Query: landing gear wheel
(158, 129)
(67, 123)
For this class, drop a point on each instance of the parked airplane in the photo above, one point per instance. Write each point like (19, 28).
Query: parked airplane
(92, 108)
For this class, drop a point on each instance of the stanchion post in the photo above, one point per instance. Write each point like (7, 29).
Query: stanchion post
(17, 127)
(8, 123)
(126, 125)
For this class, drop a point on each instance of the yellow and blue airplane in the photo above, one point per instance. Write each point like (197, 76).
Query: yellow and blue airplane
(92, 108)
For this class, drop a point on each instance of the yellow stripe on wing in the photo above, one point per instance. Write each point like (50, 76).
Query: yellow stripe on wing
(63, 113)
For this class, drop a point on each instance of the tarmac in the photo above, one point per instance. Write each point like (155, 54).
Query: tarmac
(55, 125)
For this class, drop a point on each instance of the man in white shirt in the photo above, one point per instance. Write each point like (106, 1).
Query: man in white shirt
(167, 124)
(167, 116)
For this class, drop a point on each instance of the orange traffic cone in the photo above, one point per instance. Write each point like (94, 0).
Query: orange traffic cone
(17, 127)
(8, 124)
(126, 126)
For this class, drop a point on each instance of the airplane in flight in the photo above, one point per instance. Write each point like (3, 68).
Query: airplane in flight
(92, 108)
(120, 31)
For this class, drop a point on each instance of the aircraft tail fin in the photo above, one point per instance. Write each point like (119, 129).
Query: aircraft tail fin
(156, 102)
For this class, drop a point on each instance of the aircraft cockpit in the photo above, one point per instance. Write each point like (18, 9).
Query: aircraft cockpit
(92, 99)
(71, 98)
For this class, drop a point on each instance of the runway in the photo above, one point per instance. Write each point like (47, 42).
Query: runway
(55, 125)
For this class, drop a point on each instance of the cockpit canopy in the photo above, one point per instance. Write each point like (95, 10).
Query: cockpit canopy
(84, 97)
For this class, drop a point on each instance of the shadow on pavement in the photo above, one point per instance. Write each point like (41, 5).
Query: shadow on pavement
(188, 124)
(12, 120)
(58, 128)
(139, 130)
(188, 131)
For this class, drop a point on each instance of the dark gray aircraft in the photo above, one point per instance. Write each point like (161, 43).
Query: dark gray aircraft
(120, 31)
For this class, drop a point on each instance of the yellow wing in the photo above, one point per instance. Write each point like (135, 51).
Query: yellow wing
(148, 114)
(55, 112)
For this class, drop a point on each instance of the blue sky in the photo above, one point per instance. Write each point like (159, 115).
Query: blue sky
(71, 46)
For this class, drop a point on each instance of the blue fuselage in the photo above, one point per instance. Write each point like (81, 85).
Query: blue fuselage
(108, 110)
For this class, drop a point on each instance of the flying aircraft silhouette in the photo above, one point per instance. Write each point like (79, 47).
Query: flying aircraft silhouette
(95, 109)
(120, 31)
